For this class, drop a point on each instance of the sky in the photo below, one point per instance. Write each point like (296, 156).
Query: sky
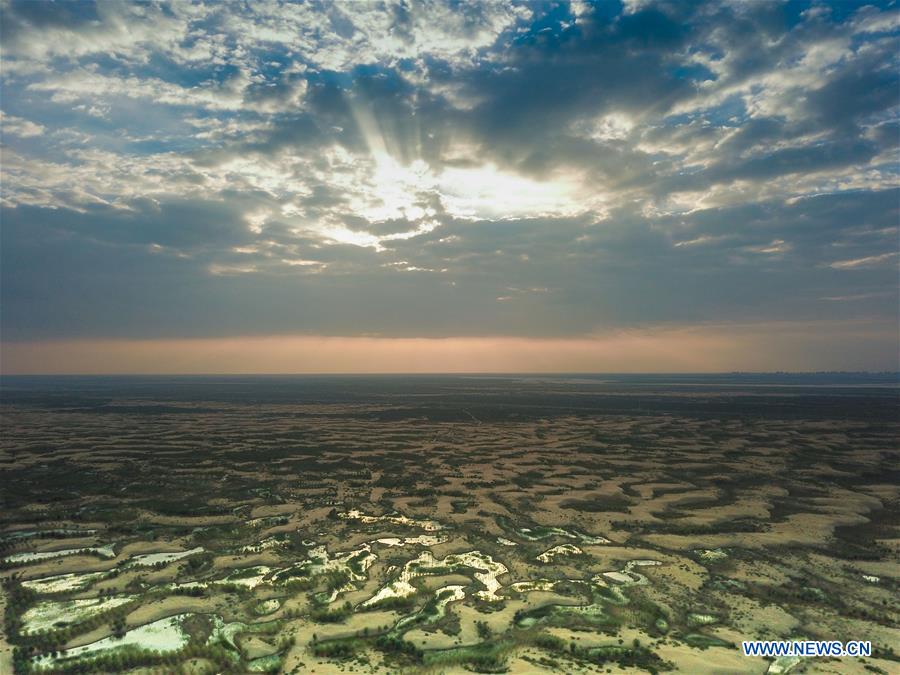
(449, 186)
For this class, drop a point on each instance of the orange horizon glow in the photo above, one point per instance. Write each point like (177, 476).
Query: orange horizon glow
(696, 349)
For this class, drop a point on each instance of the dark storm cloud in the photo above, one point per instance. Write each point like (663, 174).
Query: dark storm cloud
(431, 169)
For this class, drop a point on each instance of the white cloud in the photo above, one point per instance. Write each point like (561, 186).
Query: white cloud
(18, 126)
(866, 262)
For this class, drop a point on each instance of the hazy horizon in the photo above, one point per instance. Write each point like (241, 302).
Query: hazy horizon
(679, 351)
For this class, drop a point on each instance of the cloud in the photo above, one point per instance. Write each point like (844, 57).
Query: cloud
(868, 261)
(17, 126)
(398, 168)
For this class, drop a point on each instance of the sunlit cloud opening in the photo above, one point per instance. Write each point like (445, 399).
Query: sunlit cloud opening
(487, 192)
(397, 189)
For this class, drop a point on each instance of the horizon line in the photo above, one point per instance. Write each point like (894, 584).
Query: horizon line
(459, 373)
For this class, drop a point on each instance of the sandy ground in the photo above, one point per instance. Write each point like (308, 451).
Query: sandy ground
(673, 485)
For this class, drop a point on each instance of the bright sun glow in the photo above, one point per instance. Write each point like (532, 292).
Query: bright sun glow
(385, 189)
(488, 192)
(390, 189)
